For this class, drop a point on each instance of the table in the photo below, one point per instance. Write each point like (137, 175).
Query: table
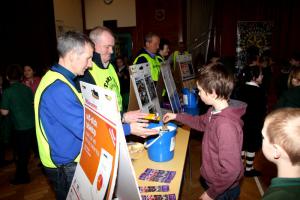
(176, 164)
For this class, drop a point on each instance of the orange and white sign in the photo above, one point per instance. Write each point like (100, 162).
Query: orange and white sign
(96, 172)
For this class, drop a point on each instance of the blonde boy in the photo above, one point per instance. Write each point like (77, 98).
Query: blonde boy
(281, 146)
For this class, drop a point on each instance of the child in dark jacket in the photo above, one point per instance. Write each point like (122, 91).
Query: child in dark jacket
(222, 167)
(255, 97)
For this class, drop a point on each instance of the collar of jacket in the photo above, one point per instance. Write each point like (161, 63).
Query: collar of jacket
(97, 60)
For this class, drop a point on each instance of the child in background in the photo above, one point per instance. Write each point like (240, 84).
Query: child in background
(17, 100)
(29, 79)
(222, 167)
(252, 94)
(291, 97)
(281, 146)
(124, 78)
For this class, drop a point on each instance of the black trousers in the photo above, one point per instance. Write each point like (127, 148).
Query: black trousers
(23, 140)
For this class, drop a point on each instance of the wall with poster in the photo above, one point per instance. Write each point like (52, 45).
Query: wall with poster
(252, 33)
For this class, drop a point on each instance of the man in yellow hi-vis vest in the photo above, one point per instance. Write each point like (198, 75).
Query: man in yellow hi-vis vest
(181, 51)
(148, 54)
(104, 75)
(59, 114)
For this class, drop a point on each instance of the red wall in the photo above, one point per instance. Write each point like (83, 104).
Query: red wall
(171, 25)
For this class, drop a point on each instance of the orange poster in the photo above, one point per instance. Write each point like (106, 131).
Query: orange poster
(96, 173)
(98, 134)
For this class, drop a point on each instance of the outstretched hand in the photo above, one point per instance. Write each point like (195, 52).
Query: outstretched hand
(134, 116)
(140, 129)
(168, 117)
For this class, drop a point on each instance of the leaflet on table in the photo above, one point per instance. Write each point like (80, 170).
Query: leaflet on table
(96, 173)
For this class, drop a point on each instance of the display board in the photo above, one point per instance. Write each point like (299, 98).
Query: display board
(170, 86)
(96, 173)
(184, 62)
(184, 73)
(144, 89)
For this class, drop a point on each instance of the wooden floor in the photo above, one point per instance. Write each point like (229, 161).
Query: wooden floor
(191, 188)
(39, 187)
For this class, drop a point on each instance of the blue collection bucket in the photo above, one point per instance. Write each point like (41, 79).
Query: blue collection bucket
(190, 99)
(161, 147)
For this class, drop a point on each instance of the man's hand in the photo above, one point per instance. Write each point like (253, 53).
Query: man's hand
(205, 196)
(139, 129)
(134, 116)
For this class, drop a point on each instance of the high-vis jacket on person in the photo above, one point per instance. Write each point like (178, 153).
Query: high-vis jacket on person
(46, 150)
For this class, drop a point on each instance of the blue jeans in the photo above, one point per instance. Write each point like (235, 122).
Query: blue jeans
(61, 178)
(230, 194)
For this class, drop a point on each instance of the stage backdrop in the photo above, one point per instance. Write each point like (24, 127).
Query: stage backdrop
(252, 33)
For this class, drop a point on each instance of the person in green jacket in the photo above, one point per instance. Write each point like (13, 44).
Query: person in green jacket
(281, 146)
(17, 100)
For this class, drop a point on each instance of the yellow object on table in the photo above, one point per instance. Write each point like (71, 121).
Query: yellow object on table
(176, 164)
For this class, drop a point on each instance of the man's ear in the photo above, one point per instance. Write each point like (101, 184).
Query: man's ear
(71, 56)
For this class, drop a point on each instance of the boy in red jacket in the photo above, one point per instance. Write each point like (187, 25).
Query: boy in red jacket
(222, 167)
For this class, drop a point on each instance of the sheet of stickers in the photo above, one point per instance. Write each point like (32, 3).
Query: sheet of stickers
(156, 175)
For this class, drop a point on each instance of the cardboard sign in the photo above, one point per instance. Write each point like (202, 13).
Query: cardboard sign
(170, 87)
(96, 172)
(126, 184)
(105, 170)
(186, 66)
(144, 89)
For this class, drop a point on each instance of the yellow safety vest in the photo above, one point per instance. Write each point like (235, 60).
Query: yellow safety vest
(154, 65)
(44, 148)
(160, 59)
(107, 78)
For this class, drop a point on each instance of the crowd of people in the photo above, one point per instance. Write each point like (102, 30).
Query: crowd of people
(46, 114)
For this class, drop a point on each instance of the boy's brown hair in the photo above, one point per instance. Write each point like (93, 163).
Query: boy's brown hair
(283, 129)
(14, 72)
(216, 77)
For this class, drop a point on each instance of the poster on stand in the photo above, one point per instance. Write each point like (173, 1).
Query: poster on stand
(105, 170)
(186, 66)
(126, 184)
(170, 87)
(144, 88)
(96, 172)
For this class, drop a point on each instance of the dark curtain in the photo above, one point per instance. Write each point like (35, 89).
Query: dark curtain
(285, 14)
(27, 33)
